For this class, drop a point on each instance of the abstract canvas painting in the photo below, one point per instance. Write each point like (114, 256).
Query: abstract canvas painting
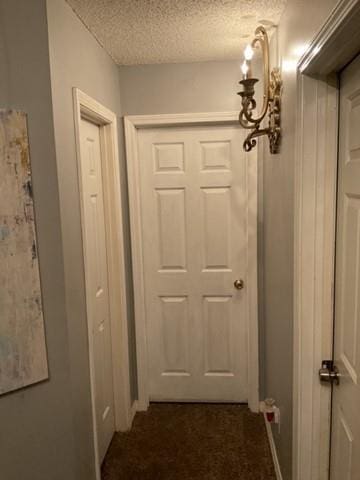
(23, 358)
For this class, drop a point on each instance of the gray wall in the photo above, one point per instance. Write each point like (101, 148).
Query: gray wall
(178, 88)
(299, 23)
(36, 435)
(77, 60)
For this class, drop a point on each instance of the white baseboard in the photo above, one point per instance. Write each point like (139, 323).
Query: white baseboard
(273, 449)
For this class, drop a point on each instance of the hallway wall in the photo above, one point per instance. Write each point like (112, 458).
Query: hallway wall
(180, 87)
(299, 23)
(77, 60)
(36, 434)
(46, 429)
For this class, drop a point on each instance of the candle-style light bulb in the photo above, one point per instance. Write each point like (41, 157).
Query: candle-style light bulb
(248, 53)
(245, 69)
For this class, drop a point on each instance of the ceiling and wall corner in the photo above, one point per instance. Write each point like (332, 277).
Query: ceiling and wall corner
(168, 31)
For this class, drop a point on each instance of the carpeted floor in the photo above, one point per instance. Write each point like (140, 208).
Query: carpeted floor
(191, 442)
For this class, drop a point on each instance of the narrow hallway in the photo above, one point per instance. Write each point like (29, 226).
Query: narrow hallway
(179, 239)
(191, 442)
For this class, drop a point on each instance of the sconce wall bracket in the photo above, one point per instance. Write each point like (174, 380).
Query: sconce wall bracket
(271, 103)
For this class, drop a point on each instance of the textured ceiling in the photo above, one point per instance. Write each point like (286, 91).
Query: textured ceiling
(175, 31)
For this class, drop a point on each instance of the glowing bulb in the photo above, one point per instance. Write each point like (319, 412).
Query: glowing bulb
(244, 68)
(248, 52)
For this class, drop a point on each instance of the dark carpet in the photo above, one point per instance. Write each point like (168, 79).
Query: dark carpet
(191, 442)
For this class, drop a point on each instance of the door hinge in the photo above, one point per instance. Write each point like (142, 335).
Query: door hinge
(329, 373)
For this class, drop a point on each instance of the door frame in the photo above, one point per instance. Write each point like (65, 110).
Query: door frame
(87, 108)
(132, 125)
(316, 151)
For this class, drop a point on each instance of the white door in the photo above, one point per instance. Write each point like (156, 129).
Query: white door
(194, 220)
(345, 454)
(97, 293)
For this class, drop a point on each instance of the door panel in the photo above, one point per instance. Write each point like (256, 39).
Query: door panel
(194, 221)
(97, 293)
(172, 243)
(217, 333)
(216, 232)
(345, 453)
(174, 328)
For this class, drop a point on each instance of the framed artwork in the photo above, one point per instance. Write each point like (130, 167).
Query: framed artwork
(23, 357)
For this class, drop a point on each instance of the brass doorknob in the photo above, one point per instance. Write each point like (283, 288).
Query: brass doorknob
(239, 284)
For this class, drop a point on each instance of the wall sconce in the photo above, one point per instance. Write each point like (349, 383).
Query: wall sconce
(271, 99)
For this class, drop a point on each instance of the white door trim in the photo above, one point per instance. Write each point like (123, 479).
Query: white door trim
(132, 125)
(88, 108)
(314, 251)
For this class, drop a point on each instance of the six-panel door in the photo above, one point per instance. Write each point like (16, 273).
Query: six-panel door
(96, 269)
(194, 220)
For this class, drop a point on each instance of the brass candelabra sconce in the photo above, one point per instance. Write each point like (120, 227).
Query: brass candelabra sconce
(271, 100)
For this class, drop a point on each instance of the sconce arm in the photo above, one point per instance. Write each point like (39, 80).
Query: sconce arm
(250, 142)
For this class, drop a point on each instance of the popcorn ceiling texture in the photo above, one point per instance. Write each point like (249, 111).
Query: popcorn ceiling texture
(174, 31)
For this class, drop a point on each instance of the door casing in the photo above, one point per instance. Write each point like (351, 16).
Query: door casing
(132, 125)
(89, 109)
(333, 47)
